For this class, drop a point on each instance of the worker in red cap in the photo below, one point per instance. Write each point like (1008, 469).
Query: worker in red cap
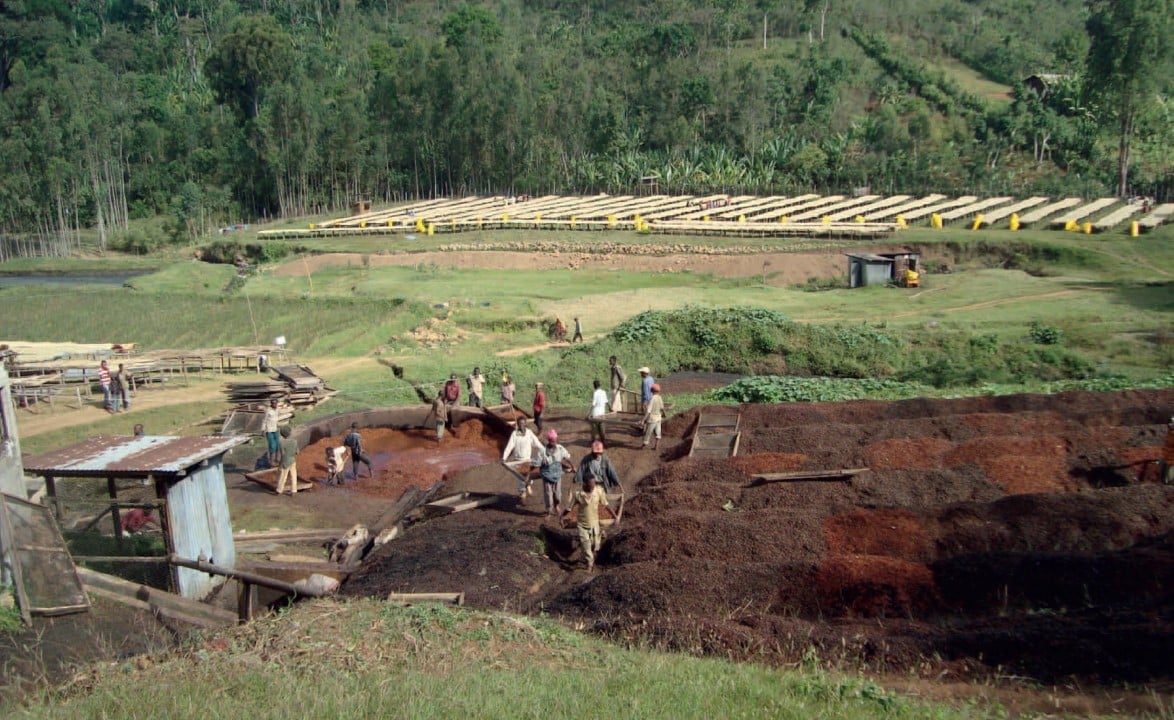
(653, 415)
(598, 466)
(551, 462)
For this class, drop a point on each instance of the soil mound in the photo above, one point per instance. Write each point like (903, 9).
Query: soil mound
(1024, 534)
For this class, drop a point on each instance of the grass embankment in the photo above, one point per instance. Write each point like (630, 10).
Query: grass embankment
(1101, 302)
(365, 658)
(105, 265)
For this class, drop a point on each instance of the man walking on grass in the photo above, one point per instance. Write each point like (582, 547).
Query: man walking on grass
(618, 380)
(127, 381)
(476, 384)
(104, 381)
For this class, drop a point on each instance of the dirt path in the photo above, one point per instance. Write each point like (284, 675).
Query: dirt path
(65, 415)
(780, 268)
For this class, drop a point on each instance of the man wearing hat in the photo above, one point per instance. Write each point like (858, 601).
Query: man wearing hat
(646, 381)
(598, 466)
(652, 417)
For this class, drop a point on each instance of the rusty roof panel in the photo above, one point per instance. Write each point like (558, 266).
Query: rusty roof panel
(108, 456)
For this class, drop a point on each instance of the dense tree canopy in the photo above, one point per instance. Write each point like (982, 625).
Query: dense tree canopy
(1130, 45)
(217, 111)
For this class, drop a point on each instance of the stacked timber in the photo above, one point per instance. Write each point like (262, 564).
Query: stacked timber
(295, 385)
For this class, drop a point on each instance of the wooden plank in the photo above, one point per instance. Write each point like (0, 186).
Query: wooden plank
(213, 569)
(626, 419)
(842, 475)
(452, 598)
(411, 499)
(461, 502)
(191, 611)
(162, 613)
(719, 421)
(616, 499)
(309, 534)
(268, 478)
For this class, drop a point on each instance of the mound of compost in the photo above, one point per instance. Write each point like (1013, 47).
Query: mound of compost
(1026, 534)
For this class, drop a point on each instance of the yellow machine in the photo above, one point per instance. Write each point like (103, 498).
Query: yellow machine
(912, 278)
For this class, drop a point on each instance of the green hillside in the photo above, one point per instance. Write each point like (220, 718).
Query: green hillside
(214, 112)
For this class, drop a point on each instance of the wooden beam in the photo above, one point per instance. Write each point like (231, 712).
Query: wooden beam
(159, 602)
(239, 575)
(129, 559)
(456, 598)
(842, 475)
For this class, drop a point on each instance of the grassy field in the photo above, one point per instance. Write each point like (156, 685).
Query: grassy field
(365, 658)
(971, 81)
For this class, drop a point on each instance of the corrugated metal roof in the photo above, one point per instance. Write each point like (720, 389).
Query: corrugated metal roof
(124, 456)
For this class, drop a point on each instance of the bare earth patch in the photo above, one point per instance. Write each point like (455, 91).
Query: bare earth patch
(781, 268)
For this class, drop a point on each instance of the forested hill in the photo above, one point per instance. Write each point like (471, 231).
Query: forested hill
(212, 111)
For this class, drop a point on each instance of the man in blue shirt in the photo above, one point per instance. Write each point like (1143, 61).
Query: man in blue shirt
(646, 381)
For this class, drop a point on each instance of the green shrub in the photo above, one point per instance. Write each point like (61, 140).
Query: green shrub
(228, 251)
(776, 389)
(1045, 334)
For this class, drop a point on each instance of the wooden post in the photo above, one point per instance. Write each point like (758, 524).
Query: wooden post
(165, 525)
(112, 489)
(245, 601)
(51, 486)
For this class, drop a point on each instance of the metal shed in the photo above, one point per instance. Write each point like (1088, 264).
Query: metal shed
(879, 268)
(188, 475)
(868, 269)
